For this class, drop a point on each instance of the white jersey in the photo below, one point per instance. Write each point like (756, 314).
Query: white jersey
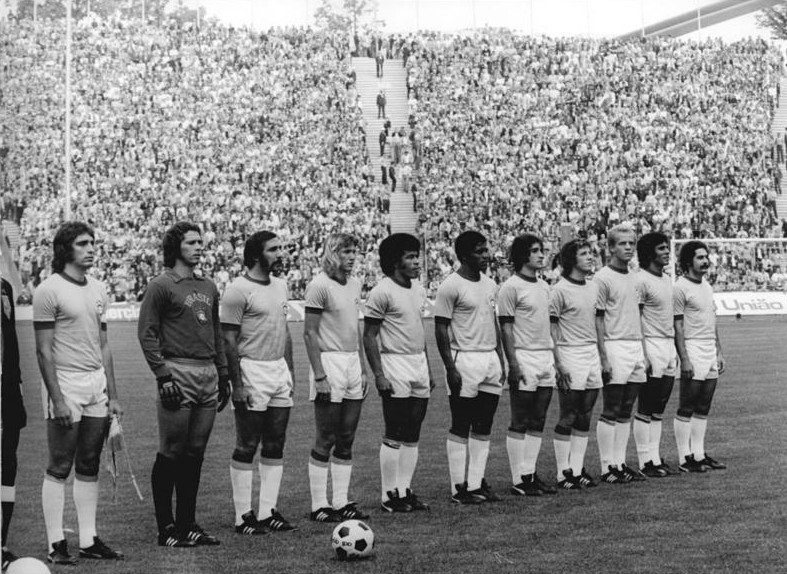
(470, 306)
(694, 302)
(339, 306)
(655, 299)
(527, 302)
(76, 312)
(400, 311)
(618, 299)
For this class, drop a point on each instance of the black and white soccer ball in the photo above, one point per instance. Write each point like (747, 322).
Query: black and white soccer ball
(352, 539)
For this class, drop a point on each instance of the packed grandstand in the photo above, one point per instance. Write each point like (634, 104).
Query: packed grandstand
(240, 131)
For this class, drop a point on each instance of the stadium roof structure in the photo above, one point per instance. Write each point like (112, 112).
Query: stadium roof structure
(702, 17)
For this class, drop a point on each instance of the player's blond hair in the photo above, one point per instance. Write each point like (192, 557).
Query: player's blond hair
(333, 245)
(620, 229)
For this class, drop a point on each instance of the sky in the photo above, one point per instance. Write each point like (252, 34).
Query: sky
(595, 18)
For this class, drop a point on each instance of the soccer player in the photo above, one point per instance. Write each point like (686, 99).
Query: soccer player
(701, 359)
(469, 344)
(337, 378)
(181, 339)
(79, 396)
(394, 311)
(14, 417)
(572, 309)
(258, 345)
(655, 294)
(523, 312)
(622, 357)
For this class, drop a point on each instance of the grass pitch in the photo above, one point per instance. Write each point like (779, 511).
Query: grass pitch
(729, 521)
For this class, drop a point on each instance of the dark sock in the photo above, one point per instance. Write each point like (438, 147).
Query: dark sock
(8, 510)
(162, 480)
(187, 485)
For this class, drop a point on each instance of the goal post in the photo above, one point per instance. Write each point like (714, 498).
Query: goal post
(749, 276)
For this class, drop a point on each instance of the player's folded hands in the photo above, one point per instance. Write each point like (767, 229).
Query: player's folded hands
(61, 414)
(383, 385)
(169, 393)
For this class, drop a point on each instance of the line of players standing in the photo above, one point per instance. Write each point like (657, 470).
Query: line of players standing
(620, 332)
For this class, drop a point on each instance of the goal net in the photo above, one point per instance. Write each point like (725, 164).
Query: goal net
(749, 276)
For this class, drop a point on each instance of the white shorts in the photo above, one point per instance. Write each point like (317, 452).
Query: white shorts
(85, 393)
(702, 354)
(408, 375)
(344, 376)
(538, 368)
(269, 383)
(662, 356)
(627, 360)
(480, 371)
(583, 365)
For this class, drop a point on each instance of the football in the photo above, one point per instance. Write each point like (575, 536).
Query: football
(27, 565)
(352, 539)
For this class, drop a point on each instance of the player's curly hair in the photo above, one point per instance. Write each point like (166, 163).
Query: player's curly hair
(172, 239)
(519, 253)
(646, 247)
(63, 243)
(330, 254)
(568, 255)
(255, 245)
(466, 242)
(393, 248)
(687, 253)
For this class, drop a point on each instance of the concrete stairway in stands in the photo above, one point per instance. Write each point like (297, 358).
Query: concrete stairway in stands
(402, 216)
(779, 128)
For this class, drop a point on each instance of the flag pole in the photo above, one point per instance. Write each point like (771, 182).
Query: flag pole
(67, 158)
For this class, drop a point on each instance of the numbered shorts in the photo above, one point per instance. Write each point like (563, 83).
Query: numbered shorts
(583, 366)
(480, 371)
(85, 393)
(408, 375)
(198, 381)
(344, 376)
(702, 354)
(538, 368)
(269, 383)
(627, 361)
(662, 356)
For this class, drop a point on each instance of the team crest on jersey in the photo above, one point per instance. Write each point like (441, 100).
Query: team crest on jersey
(492, 301)
(285, 308)
(199, 303)
(100, 307)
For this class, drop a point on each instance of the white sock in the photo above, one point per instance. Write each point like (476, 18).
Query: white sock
(8, 493)
(241, 476)
(457, 460)
(318, 483)
(515, 447)
(408, 459)
(642, 440)
(532, 448)
(53, 499)
(86, 503)
(655, 439)
(478, 452)
(562, 454)
(622, 433)
(389, 468)
(341, 470)
(699, 424)
(271, 471)
(683, 437)
(578, 445)
(605, 435)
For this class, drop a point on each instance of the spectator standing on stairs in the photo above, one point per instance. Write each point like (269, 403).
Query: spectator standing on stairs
(381, 105)
(383, 138)
(380, 60)
(392, 176)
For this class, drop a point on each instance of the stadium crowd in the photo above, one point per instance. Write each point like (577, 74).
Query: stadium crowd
(570, 137)
(241, 131)
(229, 128)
